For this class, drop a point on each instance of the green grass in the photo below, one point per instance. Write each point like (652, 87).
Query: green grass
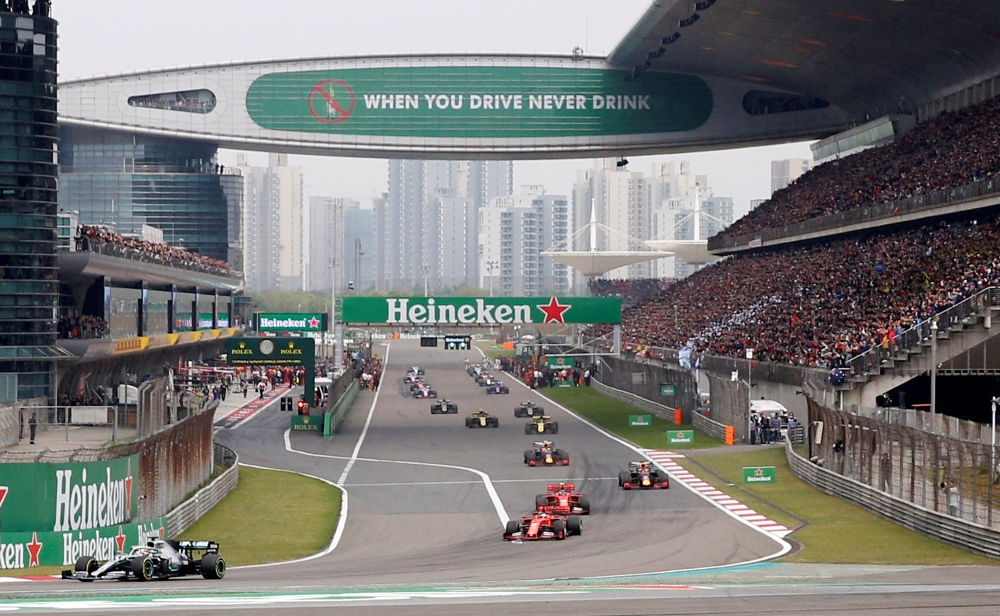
(613, 414)
(271, 516)
(836, 531)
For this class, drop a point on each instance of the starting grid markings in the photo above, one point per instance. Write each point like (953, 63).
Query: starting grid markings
(250, 408)
(665, 460)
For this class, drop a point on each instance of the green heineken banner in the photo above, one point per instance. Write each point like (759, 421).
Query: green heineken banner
(478, 102)
(640, 420)
(291, 322)
(668, 389)
(481, 311)
(560, 362)
(759, 474)
(22, 550)
(680, 437)
(67, 497)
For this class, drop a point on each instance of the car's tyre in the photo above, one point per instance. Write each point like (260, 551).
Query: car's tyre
(540, 501)
(512, 527)
(492, 422)
(554, 426)
(622, 478)
(574, 525)
(435, 411)
(468, 422)
(143, 569)
(529, 455)
(518, 412)
(453, 409)
(528, 428)
(213, 567)
(86, 564)
(584, 503)
(559, 528)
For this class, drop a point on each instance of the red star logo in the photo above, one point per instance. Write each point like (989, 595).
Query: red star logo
(554, 311)
(34, 549)
(120, 540)
(3, 494)
(314, 323)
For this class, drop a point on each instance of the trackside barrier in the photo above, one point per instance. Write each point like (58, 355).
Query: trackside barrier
(191, 510)
(338, 412)
(660, 410)
(710, 427)
(961, 533)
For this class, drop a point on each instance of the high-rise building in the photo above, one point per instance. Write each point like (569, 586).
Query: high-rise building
(784, 172)
(426, 225)
(359, 246)
(619, 199)
(124, 181)
(513, 231)
(274, 221)
(676, 196)
(28, 206)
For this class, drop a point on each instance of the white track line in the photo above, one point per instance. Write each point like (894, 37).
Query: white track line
(341, 521)
(490, 490)
(447, 483)
(785, 546)
(368, 421)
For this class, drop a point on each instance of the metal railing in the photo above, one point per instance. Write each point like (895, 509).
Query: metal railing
(87, 244)
(861, 215)
(871, 360)
(191, 510)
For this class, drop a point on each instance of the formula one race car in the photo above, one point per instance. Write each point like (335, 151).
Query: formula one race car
(424, 391)
(497, 387)
(541, 525)
(481, 419)
(562, 499)
(484, 378)
(416, 370)
(444, 407)
(544, 453)
(643, 476)
(414, 381)
(528, 409)
(542, 424)
(157, 560)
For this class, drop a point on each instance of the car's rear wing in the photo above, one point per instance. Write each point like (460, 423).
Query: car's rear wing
(555, 487)
(208, 546)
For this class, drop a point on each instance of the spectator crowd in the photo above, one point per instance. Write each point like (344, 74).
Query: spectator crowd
(93, 237)
(631, 291)
(950, 150)
(820, 305)
(83, 326)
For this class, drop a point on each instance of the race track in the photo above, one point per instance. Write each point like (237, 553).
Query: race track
(418, 523)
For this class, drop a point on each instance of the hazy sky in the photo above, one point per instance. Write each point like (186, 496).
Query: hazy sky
(114, 36)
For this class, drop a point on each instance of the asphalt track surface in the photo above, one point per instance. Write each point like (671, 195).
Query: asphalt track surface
(427, 498)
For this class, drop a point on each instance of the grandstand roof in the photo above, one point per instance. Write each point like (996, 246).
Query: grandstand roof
(694, 252)
(866, 57)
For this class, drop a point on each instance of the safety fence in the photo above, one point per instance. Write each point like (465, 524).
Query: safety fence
(709, 426)
(173, 462)
(191, 510)
(950, 476)
(337, 413)
(650, 382)
(660, 410)
(956, 531)
(926, 421)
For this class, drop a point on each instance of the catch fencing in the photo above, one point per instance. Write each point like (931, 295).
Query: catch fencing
(660, 410)
(191, 510)
(341, 404)
(644, 381)
(951, 476)
(709, 426)
(963, 533)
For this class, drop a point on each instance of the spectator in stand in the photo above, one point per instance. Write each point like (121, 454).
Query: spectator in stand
(83, 326)
(820, 305)
(953, 149)
(92, 236)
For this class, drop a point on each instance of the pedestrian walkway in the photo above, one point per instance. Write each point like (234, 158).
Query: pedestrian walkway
(236, 409)
(665, 460)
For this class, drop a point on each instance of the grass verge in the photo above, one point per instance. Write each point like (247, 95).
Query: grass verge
(271, 516)
(836, 531)
(612, 415)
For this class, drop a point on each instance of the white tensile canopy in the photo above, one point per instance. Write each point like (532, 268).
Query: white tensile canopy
(694, 252)
(594, 262)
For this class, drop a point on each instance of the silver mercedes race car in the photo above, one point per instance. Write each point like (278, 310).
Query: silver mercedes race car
(157, 560)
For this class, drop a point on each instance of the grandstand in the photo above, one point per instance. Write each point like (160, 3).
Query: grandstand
(823, 300)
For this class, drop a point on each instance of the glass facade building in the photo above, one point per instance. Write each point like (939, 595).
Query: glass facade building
(28, 202)
(123, 181)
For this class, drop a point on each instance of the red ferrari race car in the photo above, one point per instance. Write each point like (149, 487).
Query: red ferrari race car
(544, 453)
(540, 525)
(643, 476)
(562, 499)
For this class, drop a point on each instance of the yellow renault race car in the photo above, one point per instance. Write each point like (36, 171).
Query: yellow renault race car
(542, 424)
(481, 419)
